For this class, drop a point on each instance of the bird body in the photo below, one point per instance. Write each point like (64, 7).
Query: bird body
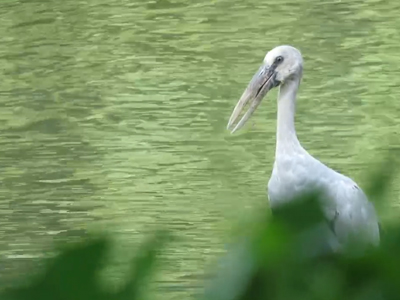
(344, 203)
(296, 172)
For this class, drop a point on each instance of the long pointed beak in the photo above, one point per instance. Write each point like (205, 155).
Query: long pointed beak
(262, 82)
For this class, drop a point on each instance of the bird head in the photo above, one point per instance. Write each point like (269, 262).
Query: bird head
(280, 65)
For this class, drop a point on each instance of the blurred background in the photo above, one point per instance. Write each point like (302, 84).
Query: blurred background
(113, 117)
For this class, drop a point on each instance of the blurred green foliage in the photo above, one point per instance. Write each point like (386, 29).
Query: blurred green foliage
(274, 259)
(74, 274)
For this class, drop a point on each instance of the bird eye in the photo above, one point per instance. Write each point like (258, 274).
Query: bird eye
(279, 59)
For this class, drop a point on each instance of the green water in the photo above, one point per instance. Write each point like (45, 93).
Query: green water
(113, 116)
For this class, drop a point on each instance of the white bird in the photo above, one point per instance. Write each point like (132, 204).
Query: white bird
(295, 171)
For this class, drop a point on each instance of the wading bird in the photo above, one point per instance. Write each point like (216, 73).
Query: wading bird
(295, 171)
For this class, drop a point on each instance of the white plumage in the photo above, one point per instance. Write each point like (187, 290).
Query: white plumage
(295, 171)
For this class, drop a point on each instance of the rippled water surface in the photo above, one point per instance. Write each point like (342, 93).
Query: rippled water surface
(113, 116)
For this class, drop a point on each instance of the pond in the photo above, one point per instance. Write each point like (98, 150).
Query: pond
(113, 118)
